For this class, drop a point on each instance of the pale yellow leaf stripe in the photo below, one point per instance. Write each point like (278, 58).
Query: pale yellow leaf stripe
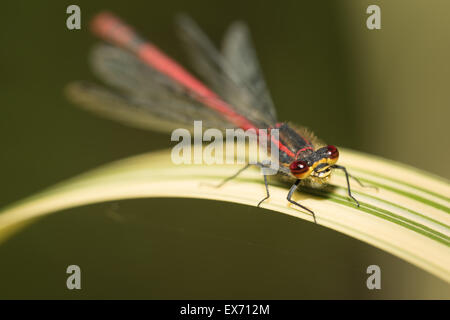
(408, 216)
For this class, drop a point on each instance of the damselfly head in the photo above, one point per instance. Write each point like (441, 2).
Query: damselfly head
(318, 164)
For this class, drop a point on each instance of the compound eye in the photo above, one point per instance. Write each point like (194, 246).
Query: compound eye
(300, 169)
(332, 153)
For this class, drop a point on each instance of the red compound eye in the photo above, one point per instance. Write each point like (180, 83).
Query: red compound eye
(299, 168)
(333, 152)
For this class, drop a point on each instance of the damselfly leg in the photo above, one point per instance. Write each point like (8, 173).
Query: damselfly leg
(289, 198)
(362, 184)
(242, 170)
(348, 182)
(233, 176)
(267, 191)
(266, 183)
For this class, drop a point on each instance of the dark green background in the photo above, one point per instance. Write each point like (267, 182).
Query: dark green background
(356, 88)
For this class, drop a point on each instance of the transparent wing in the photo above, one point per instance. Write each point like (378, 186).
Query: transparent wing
(110, 105)
(141, 113)
(144, 97)
(238, 50)
(243, 88)
(124, 71)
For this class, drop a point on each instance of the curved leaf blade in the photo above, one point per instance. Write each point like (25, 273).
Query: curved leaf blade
(407, 216)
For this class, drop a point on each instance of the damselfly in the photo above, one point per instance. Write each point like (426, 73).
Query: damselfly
(154, 92)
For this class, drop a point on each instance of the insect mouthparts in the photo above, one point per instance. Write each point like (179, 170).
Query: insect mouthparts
(321, 167)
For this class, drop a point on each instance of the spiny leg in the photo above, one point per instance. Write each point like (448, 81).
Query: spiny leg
(348, 182)
(362, 184)
(267, 191)
(289, 198)
(239, 172)
(233, 176)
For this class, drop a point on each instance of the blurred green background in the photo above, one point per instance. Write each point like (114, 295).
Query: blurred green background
(383, 92)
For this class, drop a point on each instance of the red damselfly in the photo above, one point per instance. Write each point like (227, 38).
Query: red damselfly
(154, 92)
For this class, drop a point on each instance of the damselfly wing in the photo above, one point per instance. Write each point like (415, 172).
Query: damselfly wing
(147, 89)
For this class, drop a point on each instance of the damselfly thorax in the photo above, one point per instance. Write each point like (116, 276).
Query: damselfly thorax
(305, 157)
